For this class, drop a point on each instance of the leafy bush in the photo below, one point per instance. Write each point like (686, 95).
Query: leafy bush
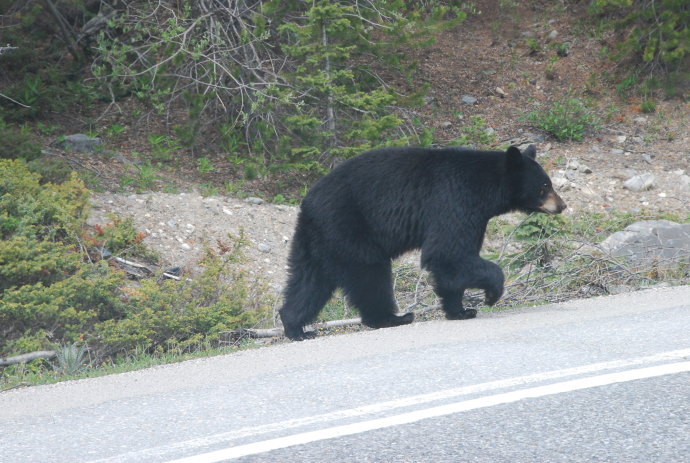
(32, 210)
(476, 134)
(568, 119)
(18, 145)
(654, 34)
(121, 238)
(648, 106)
(180, 315)
(51, 294)
(51, 170)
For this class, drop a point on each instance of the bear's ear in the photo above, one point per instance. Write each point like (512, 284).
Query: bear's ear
(531, 151)
(513, 157)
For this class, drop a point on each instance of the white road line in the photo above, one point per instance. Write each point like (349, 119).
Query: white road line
(364, 410)
(433, 412)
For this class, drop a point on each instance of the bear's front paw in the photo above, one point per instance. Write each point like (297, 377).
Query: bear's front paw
(461, 314)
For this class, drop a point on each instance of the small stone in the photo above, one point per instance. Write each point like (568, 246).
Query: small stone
(255, 201)
(621, 138)
(559, 182)
(640, 120)
(552, 35)
(573, 164)
(535, 137)
(468, 100)
(647, 158)
(640, 182)
(685, 182)
(172, 223)
(500, 92)
(617, 151)
(584, 169)
(264, 247)
(446, 124)
(186, 247)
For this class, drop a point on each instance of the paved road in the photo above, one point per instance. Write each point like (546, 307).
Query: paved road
(603, 379)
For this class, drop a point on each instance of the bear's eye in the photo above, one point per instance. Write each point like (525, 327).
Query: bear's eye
(544, 189)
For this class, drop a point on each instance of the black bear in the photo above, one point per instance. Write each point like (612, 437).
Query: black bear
(383, 203)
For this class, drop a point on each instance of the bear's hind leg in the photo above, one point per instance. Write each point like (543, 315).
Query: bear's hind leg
(370, 288)
(451, 280)
(305, 296)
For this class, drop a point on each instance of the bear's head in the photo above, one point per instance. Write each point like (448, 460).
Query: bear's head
(532, 190)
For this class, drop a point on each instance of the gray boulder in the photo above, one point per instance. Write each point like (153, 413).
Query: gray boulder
(657, 243)
(81, 143)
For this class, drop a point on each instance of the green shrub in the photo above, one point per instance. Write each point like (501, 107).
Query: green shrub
(51, 170)
(60, 312)
(51, 294)
(27, 208)
(27, 261)
(18, 145)
(476, 134)
(648, 106)
(655, 36)
(121, 238)
(568, 119)
(181, 315)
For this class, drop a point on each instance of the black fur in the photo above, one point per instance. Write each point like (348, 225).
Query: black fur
(373, 208)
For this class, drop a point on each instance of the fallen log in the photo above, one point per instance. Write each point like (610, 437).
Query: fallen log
(24, 358)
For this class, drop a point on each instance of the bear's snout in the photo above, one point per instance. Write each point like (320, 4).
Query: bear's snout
(553, 204)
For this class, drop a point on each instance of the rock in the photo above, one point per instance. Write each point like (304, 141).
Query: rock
(254, 201)
(500, 92)
(619, 289)
(640, 182)
(573, 164)
(617, 151)
(468, 100)
(535, 137)
(446, 124)
(81, 143)
(685, 182)
(640, 120)
(621, 138)
(660, 243)
(571, 175)
(552, 35)
(560, 183)
(585, 169)
(647, 158)
(264, 247)
(186, 247)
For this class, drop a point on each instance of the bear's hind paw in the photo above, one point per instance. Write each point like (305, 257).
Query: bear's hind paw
(462, 314)
(300, 335)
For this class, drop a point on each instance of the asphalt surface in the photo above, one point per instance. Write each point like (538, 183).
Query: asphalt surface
(604, 379)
